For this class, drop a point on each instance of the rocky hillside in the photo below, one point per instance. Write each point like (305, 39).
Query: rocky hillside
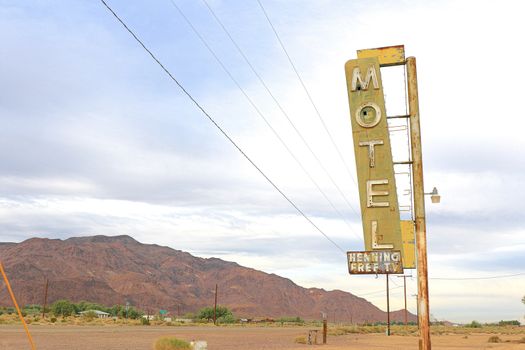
(113, 270)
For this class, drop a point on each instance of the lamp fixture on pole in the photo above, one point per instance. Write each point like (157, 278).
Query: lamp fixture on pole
(434, 196)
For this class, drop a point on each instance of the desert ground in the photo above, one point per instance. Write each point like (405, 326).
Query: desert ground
(56, 337)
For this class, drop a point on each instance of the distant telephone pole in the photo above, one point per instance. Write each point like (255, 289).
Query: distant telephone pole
(405, 290)
(215, 309)
(387, 307)
(325, 327)
(45, 299)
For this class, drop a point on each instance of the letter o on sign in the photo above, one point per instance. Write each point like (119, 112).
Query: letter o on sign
(368, 115)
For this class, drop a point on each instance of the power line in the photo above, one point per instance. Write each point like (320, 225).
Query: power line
(259, 113)
(379, 291)
(476, 278)
(261, 80)
(453, 279)
(307, 92)
(450, 279)
(196, 103)
(394, 282)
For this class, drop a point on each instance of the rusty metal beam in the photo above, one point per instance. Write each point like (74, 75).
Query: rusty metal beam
(409, 244)
(398, 117)
(387, 56)
(8, 285)
(419, 207)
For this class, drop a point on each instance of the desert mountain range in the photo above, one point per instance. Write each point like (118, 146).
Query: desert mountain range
(116, 269)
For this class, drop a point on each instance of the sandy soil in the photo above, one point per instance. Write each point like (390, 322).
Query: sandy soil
(58, 337)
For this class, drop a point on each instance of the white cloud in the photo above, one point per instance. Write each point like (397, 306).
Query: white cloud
(98, 141)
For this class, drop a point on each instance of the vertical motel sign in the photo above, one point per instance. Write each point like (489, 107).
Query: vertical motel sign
(375, 168)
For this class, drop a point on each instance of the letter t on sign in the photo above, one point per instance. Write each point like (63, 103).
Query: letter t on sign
(371, 150)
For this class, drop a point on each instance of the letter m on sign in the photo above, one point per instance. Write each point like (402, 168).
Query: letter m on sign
(359, 84)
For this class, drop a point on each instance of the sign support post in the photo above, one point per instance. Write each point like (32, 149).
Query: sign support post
(383, 230)
(419, 207)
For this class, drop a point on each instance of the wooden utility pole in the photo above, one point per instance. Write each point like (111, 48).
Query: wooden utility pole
(45, 299)
(419, 207)
(215, 309)
(387, 307)
(325, 328)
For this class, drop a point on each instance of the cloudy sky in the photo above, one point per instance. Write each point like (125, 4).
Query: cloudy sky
(96, 139)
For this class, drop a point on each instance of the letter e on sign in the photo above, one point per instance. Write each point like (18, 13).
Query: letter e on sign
(370, 193)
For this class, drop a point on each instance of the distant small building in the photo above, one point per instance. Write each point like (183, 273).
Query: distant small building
(98, 313)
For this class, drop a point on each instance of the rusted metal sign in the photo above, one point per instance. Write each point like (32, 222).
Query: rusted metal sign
(375, 262)
(409, 244)
(387, 56)
(373, 155)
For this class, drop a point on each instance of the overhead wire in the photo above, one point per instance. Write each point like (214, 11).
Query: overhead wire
(476, 278)
(393, 281)
(378, 291)
(257, 109)
(218, 127)
(306, 91)
(447, 279)
(342, 158)
(281, 108)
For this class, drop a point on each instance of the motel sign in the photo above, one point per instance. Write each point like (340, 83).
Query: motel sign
(384, 241)
(373, 155)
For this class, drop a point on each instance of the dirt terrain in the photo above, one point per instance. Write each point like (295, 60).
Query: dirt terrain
(12, 337)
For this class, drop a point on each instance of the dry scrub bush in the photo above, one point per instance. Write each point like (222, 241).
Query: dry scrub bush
(345, 330)
(356, 329)
(374, 329)
(403, 330)
(409, 331)
(9, 319)
(495, 339)
(170, 343)
(336, 331)
(300, 339)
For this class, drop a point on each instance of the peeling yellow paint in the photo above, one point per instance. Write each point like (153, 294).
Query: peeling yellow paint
(387, 56)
